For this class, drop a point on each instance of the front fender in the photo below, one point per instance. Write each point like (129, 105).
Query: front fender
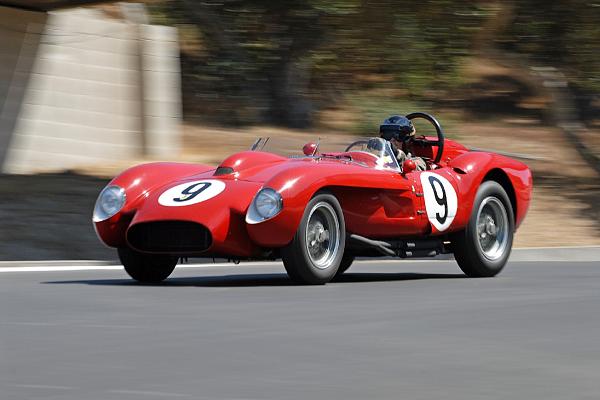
(138, 181)
(298, 185)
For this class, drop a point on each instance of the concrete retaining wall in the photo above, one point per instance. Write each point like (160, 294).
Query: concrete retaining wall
(85, 89)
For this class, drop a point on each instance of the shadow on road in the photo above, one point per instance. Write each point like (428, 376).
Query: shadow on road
(249, 280)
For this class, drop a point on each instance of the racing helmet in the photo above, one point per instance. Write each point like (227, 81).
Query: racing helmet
(396, 127)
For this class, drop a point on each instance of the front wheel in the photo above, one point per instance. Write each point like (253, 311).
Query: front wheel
(483, 248)
(314, 254)
(147, 268)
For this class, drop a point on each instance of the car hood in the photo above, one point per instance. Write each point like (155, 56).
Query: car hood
(255, 166)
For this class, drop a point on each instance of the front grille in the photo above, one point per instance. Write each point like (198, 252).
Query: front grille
(176, 237)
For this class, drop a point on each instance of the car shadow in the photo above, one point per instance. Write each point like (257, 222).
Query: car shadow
(251, 280)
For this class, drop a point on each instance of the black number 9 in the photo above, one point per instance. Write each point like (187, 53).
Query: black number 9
(192, 191)
(442, 201)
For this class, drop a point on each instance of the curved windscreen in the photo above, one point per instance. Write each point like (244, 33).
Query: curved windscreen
(378, 147)
(370, 152)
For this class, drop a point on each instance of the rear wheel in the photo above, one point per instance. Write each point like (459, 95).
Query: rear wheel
(483, 248)
(314, 254)
(147, 268)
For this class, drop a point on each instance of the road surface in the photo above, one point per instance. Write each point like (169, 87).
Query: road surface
(387, 330)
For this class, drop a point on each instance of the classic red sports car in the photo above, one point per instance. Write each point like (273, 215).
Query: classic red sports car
(318, 211)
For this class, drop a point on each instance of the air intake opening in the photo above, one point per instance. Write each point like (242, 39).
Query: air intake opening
(223, 171)
(174, 237)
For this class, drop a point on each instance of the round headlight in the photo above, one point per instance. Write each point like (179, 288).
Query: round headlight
(268, 203)
(110, 201)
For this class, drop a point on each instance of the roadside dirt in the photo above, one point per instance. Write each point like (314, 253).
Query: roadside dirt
(49, 217)
(564, 211)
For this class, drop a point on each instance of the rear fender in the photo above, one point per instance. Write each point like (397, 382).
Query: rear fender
(473, 168)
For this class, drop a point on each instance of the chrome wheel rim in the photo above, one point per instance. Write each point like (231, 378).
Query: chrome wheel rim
(322, 235)
(492, 228)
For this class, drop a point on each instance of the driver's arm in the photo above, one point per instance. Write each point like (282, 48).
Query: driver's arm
(400, 155)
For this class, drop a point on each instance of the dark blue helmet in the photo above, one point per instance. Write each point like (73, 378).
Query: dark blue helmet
(396, 127)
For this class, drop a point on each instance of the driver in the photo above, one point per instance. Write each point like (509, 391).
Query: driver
(400, 132)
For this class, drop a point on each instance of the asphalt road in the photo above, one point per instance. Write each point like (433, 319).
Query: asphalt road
(410, 330)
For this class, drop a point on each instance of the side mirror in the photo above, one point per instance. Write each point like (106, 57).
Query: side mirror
(310, 149)
(408, 166)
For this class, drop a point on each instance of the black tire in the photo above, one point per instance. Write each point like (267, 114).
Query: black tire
(147, 268)
(483, 253)
(346, 263)
(302, 265)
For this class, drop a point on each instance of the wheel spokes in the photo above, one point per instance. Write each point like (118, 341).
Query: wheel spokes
(322, 238)
(491, 228)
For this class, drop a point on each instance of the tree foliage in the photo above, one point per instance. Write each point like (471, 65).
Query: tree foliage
(280, 61)
(564, 34)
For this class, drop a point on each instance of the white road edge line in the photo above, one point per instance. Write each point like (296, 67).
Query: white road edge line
(61, 268)
(590, 246)
(66, 268)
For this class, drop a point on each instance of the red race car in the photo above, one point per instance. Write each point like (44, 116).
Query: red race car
(398, 195)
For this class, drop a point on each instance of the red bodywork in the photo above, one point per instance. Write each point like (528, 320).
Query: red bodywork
(376, 203)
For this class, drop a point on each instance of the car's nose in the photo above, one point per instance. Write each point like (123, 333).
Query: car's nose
(164, 224)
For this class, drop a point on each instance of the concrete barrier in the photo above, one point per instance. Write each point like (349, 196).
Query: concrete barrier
(78, 88)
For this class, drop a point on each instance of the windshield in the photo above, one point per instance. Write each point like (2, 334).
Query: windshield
(370, 152)
(377, 147)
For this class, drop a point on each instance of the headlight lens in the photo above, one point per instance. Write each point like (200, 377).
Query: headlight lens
(110, 201)
(267, 203)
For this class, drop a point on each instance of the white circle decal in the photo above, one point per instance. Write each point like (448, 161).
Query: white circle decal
(440, 200)
(190, 193)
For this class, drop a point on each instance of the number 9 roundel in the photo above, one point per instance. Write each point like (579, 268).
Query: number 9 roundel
(440, 200)
(190, 193)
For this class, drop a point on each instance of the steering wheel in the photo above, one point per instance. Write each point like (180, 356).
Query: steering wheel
(439, 143)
